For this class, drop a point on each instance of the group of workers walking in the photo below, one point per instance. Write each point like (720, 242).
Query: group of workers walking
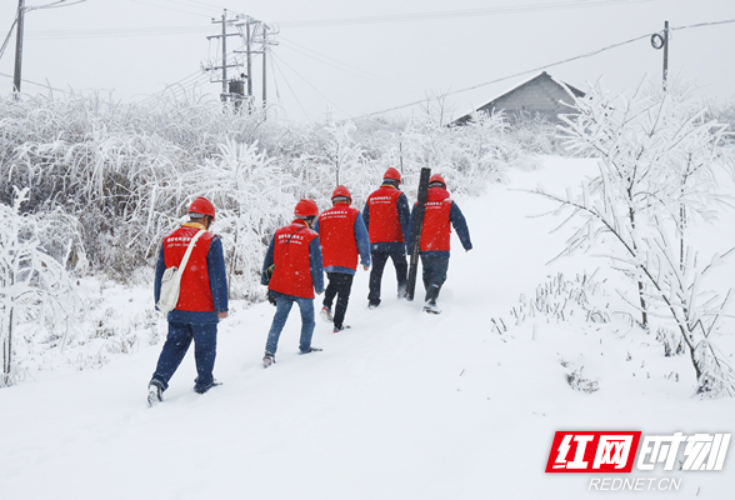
(297, 257)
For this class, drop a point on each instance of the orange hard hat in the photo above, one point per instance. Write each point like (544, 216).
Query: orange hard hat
(305, 209)
(392, 174)
(437, 180)
(202, 206)
(342, 192)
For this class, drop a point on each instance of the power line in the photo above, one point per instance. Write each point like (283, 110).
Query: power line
(430, 16)
(540, 68)
(218, 7)
(701, 25)
(7, 38)
(316, 23)
(356, 72)
(169, 8)
(313, 87)
(290, 88)
(195, 6)
(44, 85)
(54, 5)
(114, 33)
(275, 81)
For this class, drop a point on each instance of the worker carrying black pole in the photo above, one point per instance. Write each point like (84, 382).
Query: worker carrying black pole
(440, 214)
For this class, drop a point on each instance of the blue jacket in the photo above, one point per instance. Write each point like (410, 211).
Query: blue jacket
(217, 284)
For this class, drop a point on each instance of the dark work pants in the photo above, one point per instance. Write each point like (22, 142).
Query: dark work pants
(340, 285)
(378, 260)
(434, 269)
(177, 343)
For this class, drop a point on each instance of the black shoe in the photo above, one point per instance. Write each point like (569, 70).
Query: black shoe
(202, 390)
(312, 349)
(430, 307)
(155, 393)
(268, 359)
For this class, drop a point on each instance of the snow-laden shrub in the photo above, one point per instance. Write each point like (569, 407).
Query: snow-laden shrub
(537, 135)
(127, 171)
(34, 286)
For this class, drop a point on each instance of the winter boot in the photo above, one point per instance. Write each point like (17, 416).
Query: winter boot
(312, 349)
(155, 393)
(202, 390)
(268, 360)
(326, 314)
(430, 307)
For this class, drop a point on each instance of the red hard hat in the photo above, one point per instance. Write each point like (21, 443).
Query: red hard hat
(342, 191)
(202, 206)
(393, 174)
(437, 179)
(305, 209)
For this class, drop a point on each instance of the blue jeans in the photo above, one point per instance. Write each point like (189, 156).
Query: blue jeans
(177, 343)
(434, 274)
(283, 308)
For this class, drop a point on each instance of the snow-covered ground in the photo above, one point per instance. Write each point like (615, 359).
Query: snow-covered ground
(401, 406)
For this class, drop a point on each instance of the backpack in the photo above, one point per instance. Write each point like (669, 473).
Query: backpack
(171, 281)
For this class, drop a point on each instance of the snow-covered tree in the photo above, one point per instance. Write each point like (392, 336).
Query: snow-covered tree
(656, 157)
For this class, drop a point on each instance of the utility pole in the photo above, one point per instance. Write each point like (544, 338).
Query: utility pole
(249, 60)
(265, 51)
(19, 49)
(666, 53)
(659, 41)
(256, 32)
(225, 96)
(224, 52)
(251, 32)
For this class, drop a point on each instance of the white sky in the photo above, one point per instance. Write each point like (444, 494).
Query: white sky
(363, 57)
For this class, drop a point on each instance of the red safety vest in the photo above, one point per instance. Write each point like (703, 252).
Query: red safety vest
(385, 224)
(337, 236)
(196, 295)
(435, 234)
(292, 274)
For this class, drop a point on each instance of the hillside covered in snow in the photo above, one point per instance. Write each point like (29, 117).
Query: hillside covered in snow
(403, 405)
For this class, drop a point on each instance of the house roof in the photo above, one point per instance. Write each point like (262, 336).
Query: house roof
(540, 78)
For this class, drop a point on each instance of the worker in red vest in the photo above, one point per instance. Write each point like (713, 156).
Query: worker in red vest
(202, 300)
(293, 271)
(435, 234)
(343, 237)
(387, 218)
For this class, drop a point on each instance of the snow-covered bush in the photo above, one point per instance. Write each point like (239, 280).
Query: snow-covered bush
(558, 300)
(537, 135)
(127, 171)
(34, 286)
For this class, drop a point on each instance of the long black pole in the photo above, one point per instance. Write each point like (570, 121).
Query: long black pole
(418, 224)
(666, 54)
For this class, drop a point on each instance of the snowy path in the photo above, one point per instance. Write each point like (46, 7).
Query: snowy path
(401, 406)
